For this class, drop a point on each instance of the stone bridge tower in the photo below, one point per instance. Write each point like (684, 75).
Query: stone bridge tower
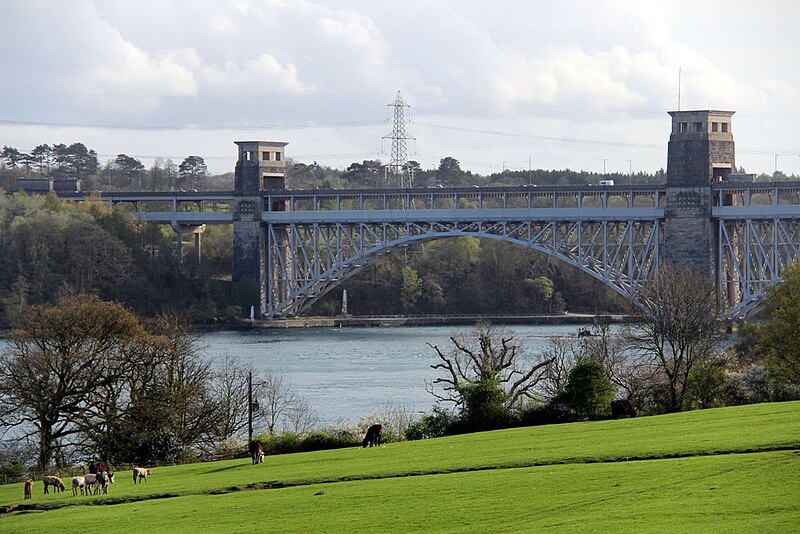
(261, 165)
(700, 152)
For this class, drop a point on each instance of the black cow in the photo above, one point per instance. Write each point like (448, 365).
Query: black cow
(373, 436)
(622, 408)
(256, 449)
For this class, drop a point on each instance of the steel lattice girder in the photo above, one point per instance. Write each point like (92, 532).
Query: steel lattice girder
(752, 254)
(309, 259)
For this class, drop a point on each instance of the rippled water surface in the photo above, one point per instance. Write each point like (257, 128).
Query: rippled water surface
(348, 373)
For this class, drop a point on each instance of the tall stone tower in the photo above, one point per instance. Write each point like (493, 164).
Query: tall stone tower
(700, 152)
(261, 165)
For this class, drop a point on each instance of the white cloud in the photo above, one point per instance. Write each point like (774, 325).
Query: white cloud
(605, 70)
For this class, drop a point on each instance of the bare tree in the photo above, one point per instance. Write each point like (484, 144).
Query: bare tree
(277, 398)
(562, 355)
(58, 359)
(489, 354)
(300, 417)
(229, 391)
(679, 327)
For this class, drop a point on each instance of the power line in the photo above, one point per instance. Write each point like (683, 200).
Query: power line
(539, 137)
(194, 127)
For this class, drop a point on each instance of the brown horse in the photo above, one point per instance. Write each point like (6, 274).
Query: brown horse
(29, 489)
(622, 408)
(57, 483)
(373, 436)
(256, 449)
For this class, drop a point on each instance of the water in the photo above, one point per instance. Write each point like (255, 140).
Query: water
(349, 373)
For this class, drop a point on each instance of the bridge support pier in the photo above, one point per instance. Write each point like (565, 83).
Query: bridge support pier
(261, 166)
(195, 229)
(701, 152)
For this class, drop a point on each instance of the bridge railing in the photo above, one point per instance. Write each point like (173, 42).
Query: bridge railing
(465, 198)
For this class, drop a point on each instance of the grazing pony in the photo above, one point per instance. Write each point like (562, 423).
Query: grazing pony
(57, 483)
(256, 449)
(622, 408)
(29, 489)
(140, 473)
(78, 484)
(103, 480)
(373, 436)
(91, 483)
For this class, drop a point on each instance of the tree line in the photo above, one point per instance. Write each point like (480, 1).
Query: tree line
(76, 161)
(88, 378)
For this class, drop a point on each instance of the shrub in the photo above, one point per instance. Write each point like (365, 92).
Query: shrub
(290, 442)
(433, 425)
(706, 384)
(553, 412)
(484, 405)
(589, 391)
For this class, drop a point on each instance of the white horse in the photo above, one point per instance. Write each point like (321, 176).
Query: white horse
(140, 473)
(79, 484)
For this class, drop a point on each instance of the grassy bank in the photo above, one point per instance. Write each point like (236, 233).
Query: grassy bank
(703, 470)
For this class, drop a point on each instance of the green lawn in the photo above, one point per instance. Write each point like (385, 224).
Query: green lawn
(659, 473)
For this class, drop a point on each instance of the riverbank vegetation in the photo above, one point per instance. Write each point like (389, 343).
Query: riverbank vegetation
(602, 475)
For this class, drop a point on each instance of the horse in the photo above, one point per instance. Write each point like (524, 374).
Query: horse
(57, 483)
(140, 473)
(29, 489)
(103, 480)
(621, 408)
(256, 449)
(78, 484)
(373, 436)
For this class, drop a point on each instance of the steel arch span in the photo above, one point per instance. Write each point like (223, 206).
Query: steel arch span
(307, 260)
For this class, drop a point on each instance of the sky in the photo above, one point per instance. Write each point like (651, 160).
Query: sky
(584, 85)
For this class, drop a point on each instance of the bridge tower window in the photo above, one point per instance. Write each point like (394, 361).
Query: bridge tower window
(698, 126)
(265, 156)
(682, 127)
(277, 156)
(724, 127)
(714, 127)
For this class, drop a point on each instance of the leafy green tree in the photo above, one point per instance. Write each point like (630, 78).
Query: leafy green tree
(193, 172)
(707, 384)
(12, 156)
(589, 391)
(369, 173)
(449, 172)
(42, 155)
(411, 289)
(75, 160)
(433, 299)
(483, 404)
(780, 337)
(542, 287)
(128, 169)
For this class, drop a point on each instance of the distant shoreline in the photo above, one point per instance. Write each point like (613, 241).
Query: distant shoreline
(425, 320)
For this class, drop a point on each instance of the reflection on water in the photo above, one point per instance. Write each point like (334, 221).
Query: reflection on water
(349, 373)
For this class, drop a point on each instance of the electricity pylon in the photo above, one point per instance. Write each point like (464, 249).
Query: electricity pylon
(398, 170)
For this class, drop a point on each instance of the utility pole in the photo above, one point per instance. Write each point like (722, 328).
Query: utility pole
(249, 406)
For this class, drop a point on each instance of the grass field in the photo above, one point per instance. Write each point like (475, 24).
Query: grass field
(723, 470)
